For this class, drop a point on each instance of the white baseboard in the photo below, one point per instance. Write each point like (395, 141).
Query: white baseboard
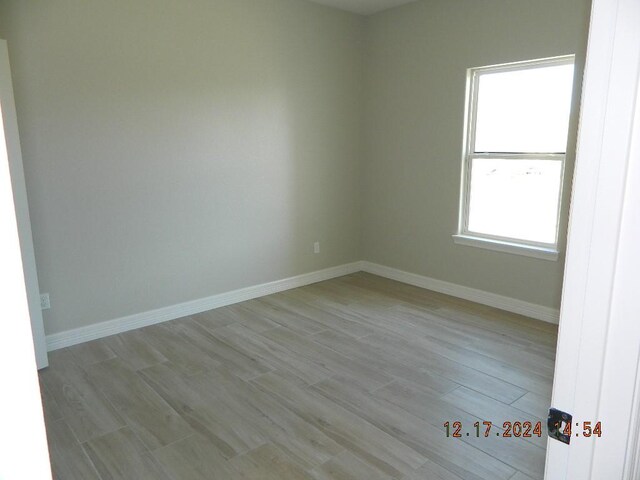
(509, 304)
(119, 325)
(131, 322)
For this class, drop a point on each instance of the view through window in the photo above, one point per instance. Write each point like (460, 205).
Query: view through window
(515, 147)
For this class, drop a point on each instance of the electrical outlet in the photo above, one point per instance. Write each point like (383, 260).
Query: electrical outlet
(45, 302)
(316, 247)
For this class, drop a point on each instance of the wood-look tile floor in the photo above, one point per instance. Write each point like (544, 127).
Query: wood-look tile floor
(349, 379)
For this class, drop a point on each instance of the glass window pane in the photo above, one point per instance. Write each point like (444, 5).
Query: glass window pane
(515, 198)
(525, 110)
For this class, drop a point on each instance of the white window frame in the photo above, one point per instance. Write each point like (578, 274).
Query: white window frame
(546, 251)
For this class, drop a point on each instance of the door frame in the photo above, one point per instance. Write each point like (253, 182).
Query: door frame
(22, 207)
(596, 376)
(23, 441)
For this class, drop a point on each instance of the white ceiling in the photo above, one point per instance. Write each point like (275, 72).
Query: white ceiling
(363, 7)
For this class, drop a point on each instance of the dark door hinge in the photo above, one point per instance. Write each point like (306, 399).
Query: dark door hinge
(557, 423)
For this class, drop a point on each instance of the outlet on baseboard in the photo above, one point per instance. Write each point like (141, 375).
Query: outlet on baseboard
(316, 247)
(45, 302)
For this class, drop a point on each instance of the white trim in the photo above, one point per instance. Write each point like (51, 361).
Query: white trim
(152, 317)
(527, 64)
(539, 312)
(22, 206)
(23, 439)
(632, 457)
(519, 156)
(507, 247)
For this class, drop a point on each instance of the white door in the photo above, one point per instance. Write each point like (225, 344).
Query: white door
(12, 142)
(596, 378)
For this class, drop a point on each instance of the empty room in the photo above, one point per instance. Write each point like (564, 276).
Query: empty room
(319, 239)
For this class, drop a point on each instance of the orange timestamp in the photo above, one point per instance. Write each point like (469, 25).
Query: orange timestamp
(524, 429)
(484, 429)
(588, 429)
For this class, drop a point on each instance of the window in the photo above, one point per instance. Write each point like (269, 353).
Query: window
(514, 154)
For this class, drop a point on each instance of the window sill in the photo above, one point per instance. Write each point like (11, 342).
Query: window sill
(507, 247)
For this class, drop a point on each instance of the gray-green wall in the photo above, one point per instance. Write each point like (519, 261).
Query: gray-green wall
(175, 150)
(416, 61)
(178, 149)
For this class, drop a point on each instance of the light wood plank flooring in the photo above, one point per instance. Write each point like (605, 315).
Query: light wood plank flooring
(347, 379)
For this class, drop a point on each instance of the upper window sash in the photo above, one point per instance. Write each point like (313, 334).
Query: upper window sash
(473, 79)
